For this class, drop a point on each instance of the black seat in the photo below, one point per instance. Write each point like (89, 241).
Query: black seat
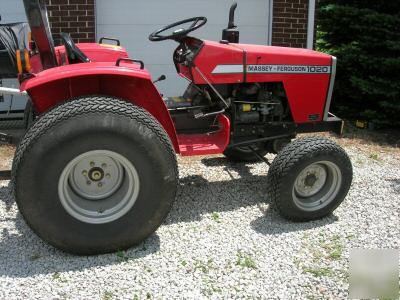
(75, 55)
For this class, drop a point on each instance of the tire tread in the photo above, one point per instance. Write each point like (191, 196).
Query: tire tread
(292, 154)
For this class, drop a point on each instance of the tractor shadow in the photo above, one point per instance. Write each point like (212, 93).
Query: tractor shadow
(198, 197)
(23, 254)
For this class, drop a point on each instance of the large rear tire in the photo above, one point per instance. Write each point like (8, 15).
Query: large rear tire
(309, 179)
(95, 175)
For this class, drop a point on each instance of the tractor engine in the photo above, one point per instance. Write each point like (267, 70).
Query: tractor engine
(248, 103)
(255, 103)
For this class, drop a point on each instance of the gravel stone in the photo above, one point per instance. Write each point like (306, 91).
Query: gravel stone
(222, 239)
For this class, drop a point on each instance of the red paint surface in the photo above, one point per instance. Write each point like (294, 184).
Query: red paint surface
(213, 54)
(205, 144)
(306, 93)
(127, 82)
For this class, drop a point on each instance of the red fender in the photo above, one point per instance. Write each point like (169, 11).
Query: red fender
(129, 82)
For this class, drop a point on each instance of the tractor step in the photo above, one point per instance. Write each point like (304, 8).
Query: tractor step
(206, 143)
(199, 144)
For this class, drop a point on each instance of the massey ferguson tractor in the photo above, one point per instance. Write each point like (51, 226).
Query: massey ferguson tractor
(96, 171)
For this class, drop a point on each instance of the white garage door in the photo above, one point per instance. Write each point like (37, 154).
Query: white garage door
(12, 11)
(132, 21)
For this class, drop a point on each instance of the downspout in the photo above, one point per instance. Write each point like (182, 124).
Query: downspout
(311, 24)
(270, 21)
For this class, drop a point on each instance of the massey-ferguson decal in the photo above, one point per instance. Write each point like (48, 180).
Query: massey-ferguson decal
(273, 69)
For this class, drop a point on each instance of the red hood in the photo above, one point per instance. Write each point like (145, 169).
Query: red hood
(259, 54)
(280, 50)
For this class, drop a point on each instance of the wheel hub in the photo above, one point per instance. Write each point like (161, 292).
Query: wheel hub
(96, 174)
(96, 177)
(98, 186)
(310, 180)
(317, 185)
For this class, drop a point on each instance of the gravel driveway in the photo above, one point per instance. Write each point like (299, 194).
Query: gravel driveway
(221, 240)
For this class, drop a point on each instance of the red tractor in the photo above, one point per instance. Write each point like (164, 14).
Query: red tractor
(97, 172)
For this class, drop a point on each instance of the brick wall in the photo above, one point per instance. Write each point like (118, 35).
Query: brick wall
(289, 24)
(76, 17)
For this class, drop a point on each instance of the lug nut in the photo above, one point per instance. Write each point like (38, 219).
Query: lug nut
(104, 166)
(108, 176)
(100, 184)
(84, 172)
(92, 164)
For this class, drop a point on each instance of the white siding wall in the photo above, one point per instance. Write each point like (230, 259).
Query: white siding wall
(133, 21)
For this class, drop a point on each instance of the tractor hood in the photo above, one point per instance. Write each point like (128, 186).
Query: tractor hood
(235, 63)
(259, 54)
(307, 76)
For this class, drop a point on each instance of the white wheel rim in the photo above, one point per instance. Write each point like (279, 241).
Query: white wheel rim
(98, 187)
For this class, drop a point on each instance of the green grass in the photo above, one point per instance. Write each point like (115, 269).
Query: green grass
(318, 271)
(334, 248)
(57, 276)
(205, 267)
(336, 253)
(210, 288)
(107, 295)
(215, 216)
(320, 255)
(245, 260)
(121, 256)
(374, 156)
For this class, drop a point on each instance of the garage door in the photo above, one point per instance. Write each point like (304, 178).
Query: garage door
(11, 11)
(133, 21)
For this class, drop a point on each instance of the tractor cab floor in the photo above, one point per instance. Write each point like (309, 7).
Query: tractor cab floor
(197, 142)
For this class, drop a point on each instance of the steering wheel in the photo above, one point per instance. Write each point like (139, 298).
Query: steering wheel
(180, 33)
(75, 55)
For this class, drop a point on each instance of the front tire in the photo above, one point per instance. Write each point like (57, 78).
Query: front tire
(95, 175)
(309, 179)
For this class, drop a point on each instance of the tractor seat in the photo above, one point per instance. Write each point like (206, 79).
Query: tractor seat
(75, 55)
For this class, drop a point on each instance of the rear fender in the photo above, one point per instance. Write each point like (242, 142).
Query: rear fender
(128, 82)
